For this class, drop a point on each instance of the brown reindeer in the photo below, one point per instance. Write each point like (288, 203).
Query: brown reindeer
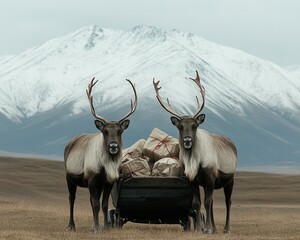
(209, 160)
(93, 160)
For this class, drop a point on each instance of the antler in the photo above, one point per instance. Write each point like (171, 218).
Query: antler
(202, 90)
(132, 105)
(90, 97)
(167, 108)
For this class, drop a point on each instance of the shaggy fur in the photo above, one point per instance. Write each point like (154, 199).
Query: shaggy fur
(210, 151)
(89, 156)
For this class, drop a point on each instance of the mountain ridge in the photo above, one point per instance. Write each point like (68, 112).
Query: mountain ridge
(171, 43)
(43, 90)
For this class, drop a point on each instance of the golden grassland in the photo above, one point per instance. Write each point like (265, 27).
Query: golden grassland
(34, 205)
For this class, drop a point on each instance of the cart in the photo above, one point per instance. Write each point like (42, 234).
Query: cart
(154, 200)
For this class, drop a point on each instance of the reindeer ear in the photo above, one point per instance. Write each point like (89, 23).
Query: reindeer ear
(175, 121)
(99, 124)
(200, 119)
(124, 124)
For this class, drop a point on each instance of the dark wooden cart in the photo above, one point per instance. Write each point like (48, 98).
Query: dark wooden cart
(153, 200)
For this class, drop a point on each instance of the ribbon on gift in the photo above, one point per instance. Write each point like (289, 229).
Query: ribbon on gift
(131, 171)
(130, 153)
(161, 143)
(133, 154)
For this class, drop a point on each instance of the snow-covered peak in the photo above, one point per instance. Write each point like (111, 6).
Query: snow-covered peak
(5, 58)
(293, 68)
(295, 71)
(149, 32)
(58, 72)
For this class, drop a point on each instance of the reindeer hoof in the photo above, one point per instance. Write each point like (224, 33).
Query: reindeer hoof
(226, 230)
(71, 228)
(106, 228)
(95, 229)
(207, 231)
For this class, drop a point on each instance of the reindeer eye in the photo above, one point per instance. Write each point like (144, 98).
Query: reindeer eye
(120, 132)
(180, 127)
(194, 126)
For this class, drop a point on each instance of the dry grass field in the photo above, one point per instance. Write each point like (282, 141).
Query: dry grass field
(34, 205)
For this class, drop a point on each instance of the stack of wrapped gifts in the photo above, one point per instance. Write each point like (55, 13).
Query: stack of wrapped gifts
(157, 156)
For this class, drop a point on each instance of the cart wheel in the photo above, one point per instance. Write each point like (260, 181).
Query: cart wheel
(193, 221)
(187, 224)
(112, 218)
(119, 222)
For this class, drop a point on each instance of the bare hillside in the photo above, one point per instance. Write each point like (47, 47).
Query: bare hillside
(34, 205)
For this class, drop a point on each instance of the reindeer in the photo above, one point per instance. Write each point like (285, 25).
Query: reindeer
(93, 160)
(209, 160)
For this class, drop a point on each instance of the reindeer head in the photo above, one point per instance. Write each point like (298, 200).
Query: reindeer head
(187, 125)
(111, 130)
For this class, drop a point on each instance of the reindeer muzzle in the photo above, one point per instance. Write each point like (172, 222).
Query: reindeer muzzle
(113, 148)
(187, 142)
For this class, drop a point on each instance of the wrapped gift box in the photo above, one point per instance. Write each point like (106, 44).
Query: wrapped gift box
(135, 167)
(167, 167)
(160, 145)
(136, 150)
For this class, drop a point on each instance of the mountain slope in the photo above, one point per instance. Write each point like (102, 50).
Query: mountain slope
(58, 71)
(295, 71)
(42, 90)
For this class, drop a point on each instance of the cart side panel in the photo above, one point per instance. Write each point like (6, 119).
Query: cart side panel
(153, 198)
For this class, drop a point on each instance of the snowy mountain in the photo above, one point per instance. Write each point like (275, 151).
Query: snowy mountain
(295, 71)
(43, 101)
(5, 58)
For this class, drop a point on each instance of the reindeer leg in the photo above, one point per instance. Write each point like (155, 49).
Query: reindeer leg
(105, 197)
(95, 193)
(196, 205)
(208, 191)
(72, 194)
(228, 191)
(212, 217)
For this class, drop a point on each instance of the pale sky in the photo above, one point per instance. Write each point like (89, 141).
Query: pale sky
(269, 29)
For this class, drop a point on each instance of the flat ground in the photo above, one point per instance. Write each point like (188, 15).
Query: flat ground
(34, 205)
